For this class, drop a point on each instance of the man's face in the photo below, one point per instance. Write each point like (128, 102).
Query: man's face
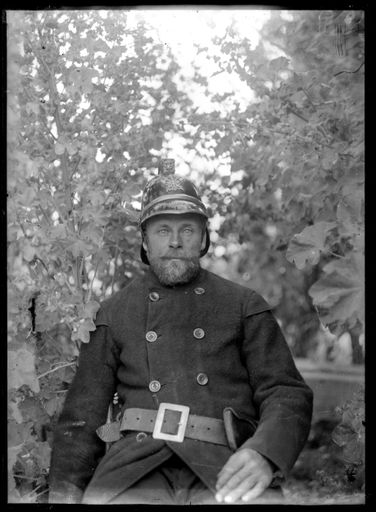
(173, 244)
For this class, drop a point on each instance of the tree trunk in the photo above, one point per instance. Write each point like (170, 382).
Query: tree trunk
(357, 350)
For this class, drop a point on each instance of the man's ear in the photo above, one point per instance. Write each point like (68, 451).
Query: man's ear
(144, 244)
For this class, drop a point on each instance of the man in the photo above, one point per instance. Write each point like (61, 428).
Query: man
(213, 409)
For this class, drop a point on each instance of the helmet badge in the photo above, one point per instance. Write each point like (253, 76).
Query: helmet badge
(166, 167)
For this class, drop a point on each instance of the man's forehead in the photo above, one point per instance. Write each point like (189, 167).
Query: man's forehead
(171, 219)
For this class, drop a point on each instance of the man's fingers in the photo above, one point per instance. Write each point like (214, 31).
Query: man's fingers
(236, 487)
(254, 493)
(233, 481)
(232, 466)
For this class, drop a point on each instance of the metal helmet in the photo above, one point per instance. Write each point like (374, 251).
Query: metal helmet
(170, 194)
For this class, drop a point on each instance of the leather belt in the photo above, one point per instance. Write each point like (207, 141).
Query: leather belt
(171, 422)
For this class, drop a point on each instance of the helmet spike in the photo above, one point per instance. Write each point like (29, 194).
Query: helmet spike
(166, 167)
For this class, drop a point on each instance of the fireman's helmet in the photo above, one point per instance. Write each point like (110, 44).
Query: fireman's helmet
(170, 194)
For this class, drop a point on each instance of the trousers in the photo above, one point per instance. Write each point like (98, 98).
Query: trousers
(174, 483)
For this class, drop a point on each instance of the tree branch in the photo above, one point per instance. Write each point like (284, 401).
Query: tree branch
(45, 215)
(92, 282)
(54, 98)
(113, 277)
(55, 369)
(349, 70)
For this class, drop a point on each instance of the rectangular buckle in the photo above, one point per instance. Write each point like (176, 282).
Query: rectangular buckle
(179, 436)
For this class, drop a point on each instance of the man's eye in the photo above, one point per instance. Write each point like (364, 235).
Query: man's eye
(163, 231)
(188, 230)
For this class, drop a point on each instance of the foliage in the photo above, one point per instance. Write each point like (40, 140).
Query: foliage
(318, 476)
(349, 434)
(296, 152)
(92, 97)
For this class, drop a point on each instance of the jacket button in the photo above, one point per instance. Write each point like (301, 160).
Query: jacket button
(151, 336)
(199, 333)
(141, 436)
(199, 291)
(154, 386)
(202, 379)
(154, 296)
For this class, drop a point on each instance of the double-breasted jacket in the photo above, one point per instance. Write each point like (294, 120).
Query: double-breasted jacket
(210, 344)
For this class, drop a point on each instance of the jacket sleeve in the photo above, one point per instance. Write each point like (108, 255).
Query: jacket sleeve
(283, 399)
(76, 447)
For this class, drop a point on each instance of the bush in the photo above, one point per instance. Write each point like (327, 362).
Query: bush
(349, 434)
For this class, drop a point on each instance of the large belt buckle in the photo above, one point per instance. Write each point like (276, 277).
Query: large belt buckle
(182, 425)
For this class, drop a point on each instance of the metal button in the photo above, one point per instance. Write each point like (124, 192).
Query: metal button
(140, 436)
(151, 336)
(199, 291)
(155, 386)
(202, 379)
(154, 296)
(199, 333)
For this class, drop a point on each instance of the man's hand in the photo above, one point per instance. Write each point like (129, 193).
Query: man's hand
(245, 476)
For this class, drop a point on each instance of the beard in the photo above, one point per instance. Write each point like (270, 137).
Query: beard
(172, 272)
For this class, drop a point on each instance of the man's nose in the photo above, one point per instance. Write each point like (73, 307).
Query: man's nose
(175, 241)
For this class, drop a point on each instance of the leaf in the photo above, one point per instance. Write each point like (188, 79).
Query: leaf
(343, 434)
(21, 370)
(307, 246)
(19, 433)
(90, 309)
(132, 215)
(72, 149)
(13, 451)
(53, 405)
(28, 251)
(79, 248)
(84, 330)
(58, 232)
(279, 64)
(13, 494)
(353, 452)
(59, 148)
(32, 410)
(32, 107)
(340, 292)
(14, 412)
(349, 211)
(42, 453)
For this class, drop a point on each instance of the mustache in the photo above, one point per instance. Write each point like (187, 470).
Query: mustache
(175, 256)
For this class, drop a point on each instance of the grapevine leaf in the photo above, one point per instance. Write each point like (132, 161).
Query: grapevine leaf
(84, 330)
(307, 246)
(340, 292)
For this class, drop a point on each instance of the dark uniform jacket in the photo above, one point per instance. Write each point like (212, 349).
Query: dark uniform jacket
(238, 358)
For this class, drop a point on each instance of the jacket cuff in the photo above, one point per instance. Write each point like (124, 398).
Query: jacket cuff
(67, 493)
